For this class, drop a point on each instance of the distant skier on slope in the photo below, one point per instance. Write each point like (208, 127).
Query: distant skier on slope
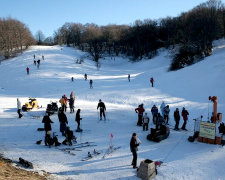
(91, 82)
(102, 107)
(85, 76)
(28, 70)
(129, 77)
(152, 81)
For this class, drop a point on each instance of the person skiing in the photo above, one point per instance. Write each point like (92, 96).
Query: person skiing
(133, 148)
(85, 76)
(34, 56)
(78, 119)
(28, 70)
(43, 58)
(184, 114)
(72, 79)
(63, 121)
(162, 106)
(140, 110)
(102, 107)
(47, 123)
(166, 114)
(176, 118)
(152, 81)
(129, 77)
(91, 82)
(154, 111)
(146, 120)
(71, 102)
(35, 62)
(63, 102)
(19, 108)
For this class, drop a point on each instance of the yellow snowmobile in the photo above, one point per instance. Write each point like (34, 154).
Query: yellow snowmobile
(30, 105)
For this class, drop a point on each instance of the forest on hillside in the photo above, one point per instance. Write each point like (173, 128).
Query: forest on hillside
(190, 34)
(14, 37)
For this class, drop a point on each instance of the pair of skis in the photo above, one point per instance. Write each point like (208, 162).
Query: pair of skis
(91, 155)
(110, 150)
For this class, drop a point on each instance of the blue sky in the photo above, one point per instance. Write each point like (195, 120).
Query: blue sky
(49, 15)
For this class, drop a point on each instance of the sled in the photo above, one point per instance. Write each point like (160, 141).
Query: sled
(158, 135)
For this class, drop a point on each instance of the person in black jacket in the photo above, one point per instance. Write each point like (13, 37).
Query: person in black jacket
(133, 149)
(176, 118)
(102, 107)
(78, 119)
(63, 121)
(47, 123)
(69, 136)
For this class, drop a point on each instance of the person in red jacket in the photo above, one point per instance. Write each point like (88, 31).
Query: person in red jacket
(152, 81)
(185, 118)
(28, 70)
(140, 110)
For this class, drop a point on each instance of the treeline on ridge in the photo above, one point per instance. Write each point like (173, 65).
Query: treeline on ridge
(191, 35)
(14, 37)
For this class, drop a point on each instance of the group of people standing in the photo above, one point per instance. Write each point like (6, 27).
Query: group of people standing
(160, 118)
(64, 101)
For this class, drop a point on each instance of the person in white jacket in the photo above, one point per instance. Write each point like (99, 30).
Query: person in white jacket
(19, 108)
(162, 108)
(145, 120)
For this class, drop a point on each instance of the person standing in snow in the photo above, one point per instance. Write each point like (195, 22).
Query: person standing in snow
(152, 81)
(28, 70)
(154, 111)
(184, 114)
(102, 107)
(78, 119)
(166, 114)
(162, 106)
(140, 110)
(63, 121)
(47, 123)
(129, 77)
(34, 56)
(159, 121)
(146, 120)
(133, 148)
(72, 79)
(43, 58)
(19, 108)
(85, 76)
(63, 102)
(176, 115)
(71, 102)
(91, 82)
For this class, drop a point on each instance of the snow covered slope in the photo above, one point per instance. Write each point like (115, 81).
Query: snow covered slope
(189, 88)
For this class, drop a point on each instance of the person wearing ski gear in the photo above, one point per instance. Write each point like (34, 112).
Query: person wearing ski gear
(133, 148)
(146, 120)
(129, 77)
(184, 114)
(28, 70)
(47, 123)
(85, 76)
(154, 111)
(159, 121)
(176, 115)
(63, 102)
(19, 108)
(63, 121)
(35, 62)
(162, 106)
(140, 110)
(72, 79)
(71, 102)
(78, 118)
(166, 114)
(43, 58)
(91, 82)
(152, 81)
(34, 56)
(102, 107)
(69, 136)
